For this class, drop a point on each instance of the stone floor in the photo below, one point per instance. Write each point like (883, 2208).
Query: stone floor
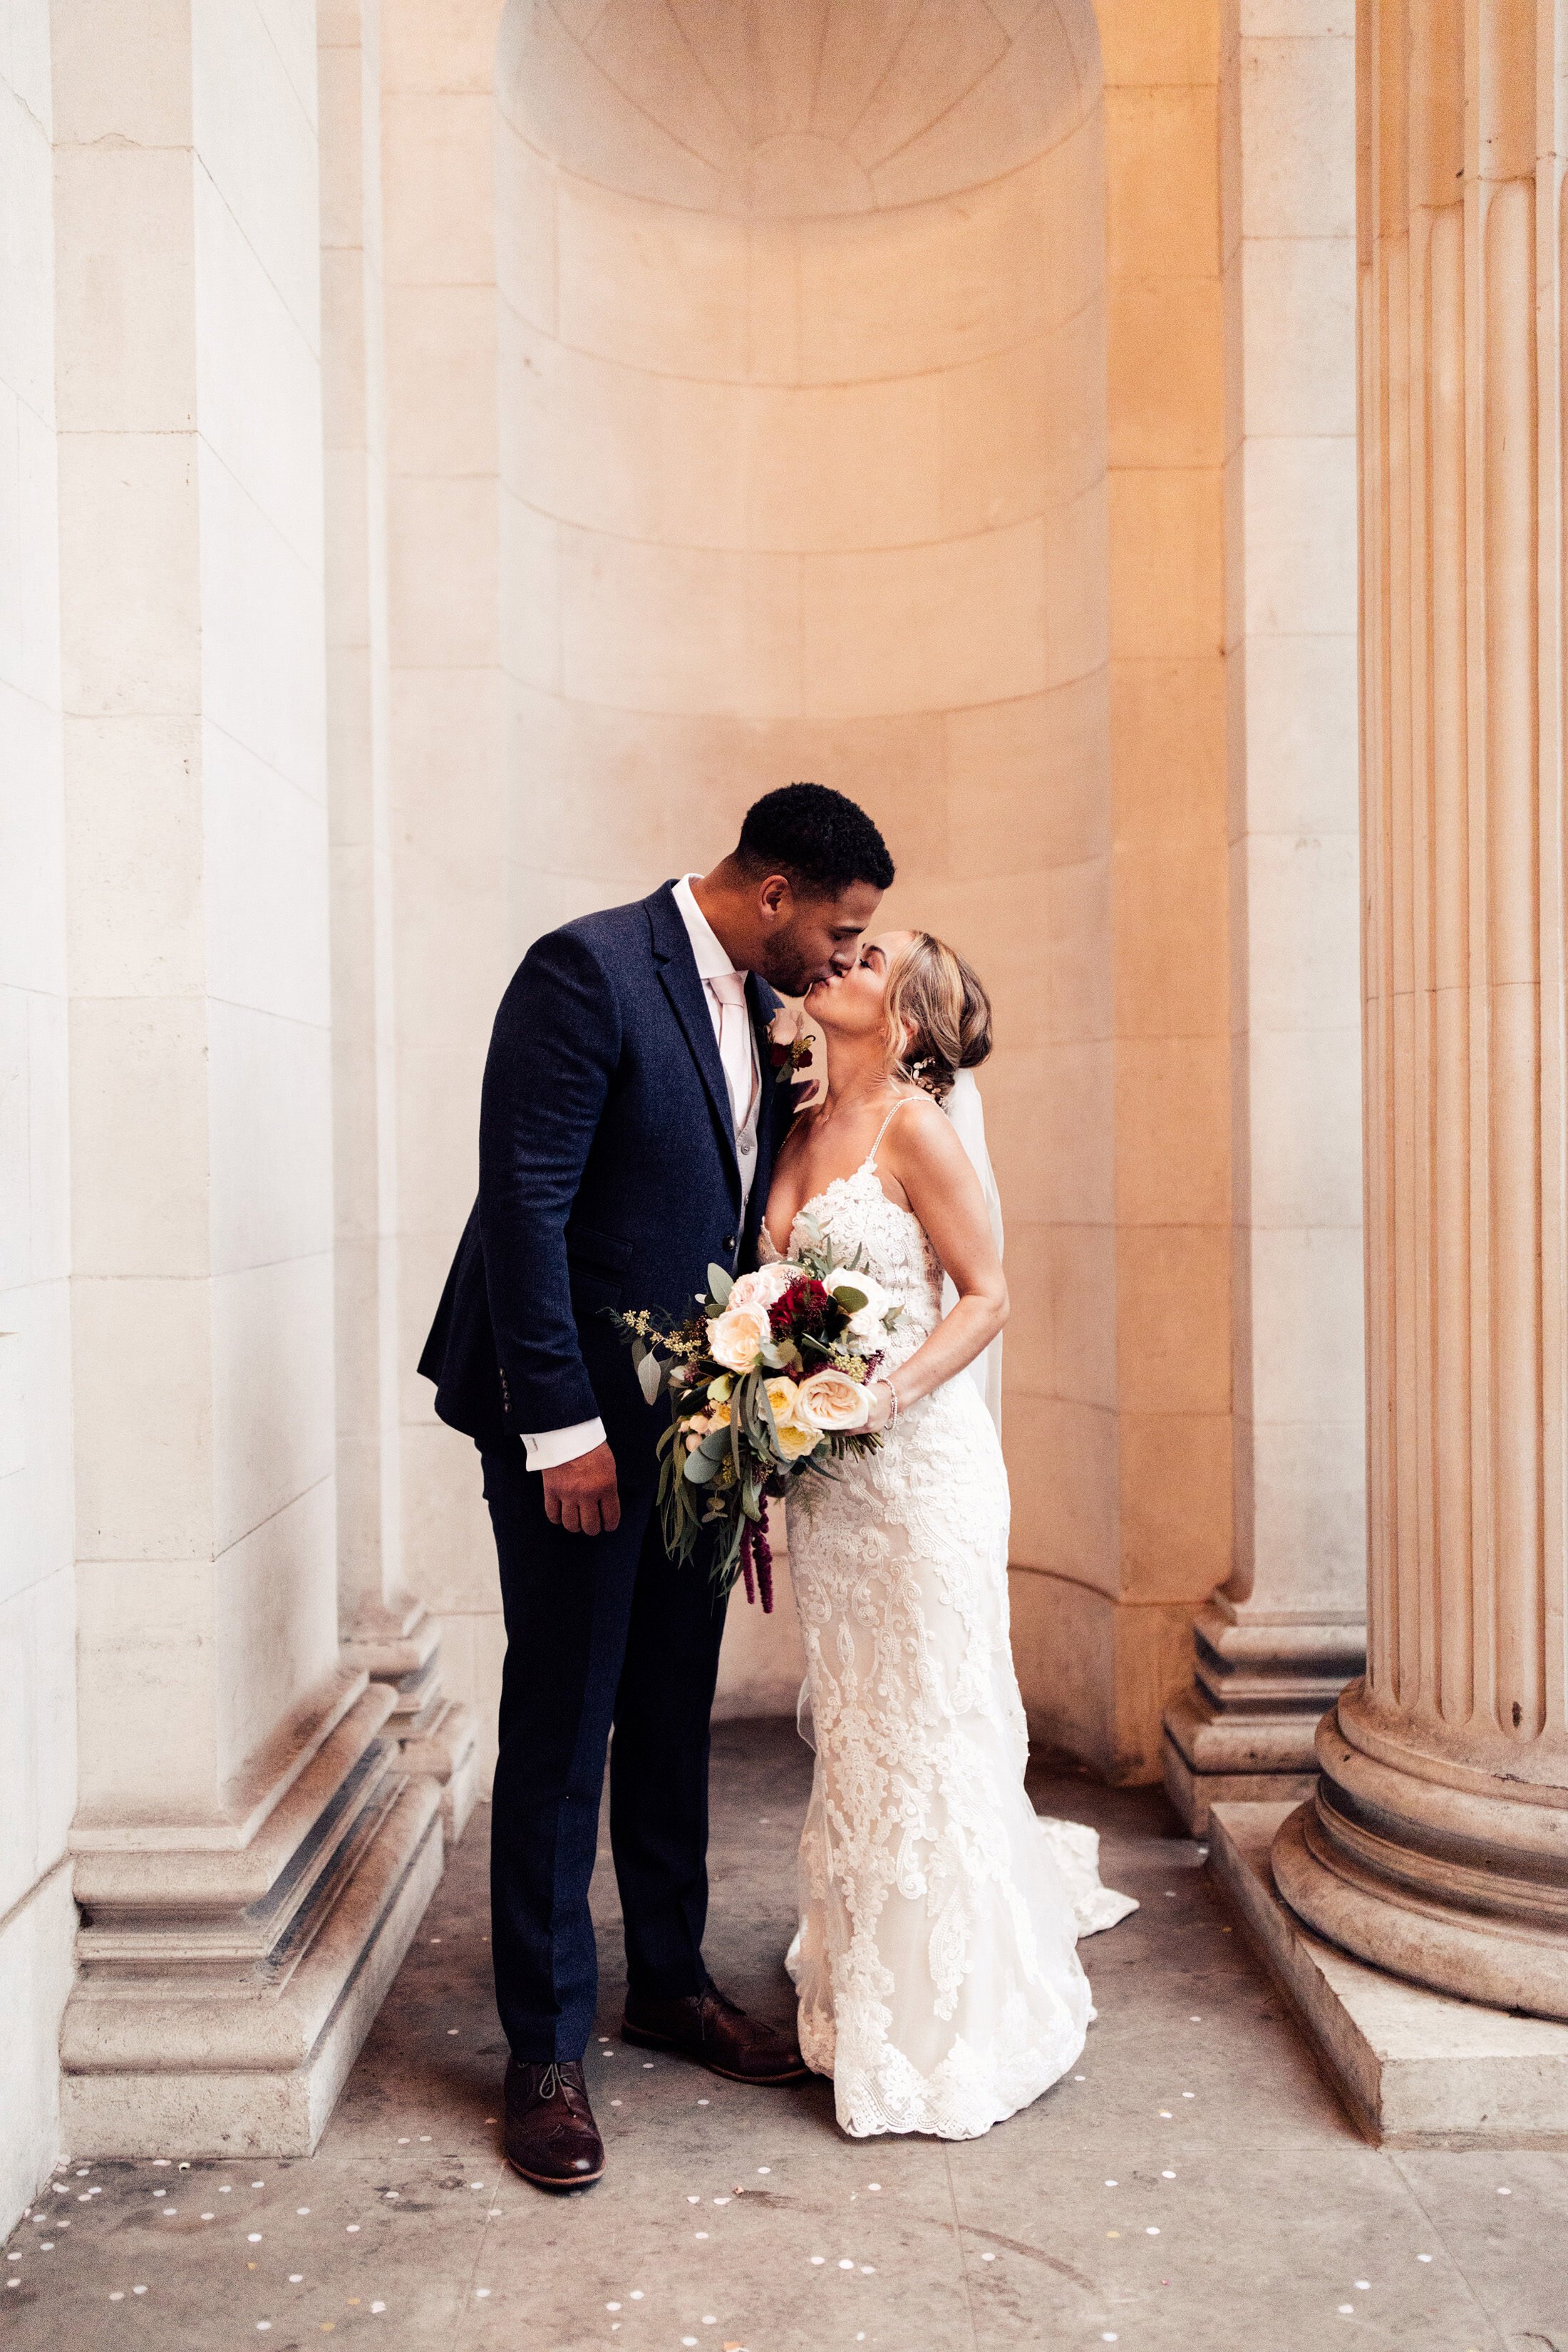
(1193, 2186)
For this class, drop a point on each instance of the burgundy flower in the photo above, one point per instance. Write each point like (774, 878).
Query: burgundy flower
(804, 1306)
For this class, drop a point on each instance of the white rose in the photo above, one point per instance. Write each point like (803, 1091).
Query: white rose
(831, 1401)
(737, 1336)
(866, 1323)
(760, 1289)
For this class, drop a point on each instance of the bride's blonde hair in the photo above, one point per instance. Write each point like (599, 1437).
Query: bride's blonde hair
(939, 1015)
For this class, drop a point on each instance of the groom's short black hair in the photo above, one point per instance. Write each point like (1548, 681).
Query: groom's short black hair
(819, 839)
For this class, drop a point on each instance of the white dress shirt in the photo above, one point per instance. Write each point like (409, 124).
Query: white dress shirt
(725, 989)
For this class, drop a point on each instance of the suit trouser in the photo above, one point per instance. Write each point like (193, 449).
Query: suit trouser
(602, 1631)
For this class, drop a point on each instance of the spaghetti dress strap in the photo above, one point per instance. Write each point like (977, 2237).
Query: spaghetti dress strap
(870, 1159)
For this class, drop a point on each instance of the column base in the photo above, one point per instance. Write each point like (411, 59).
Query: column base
(1242, 1732)
(399, 1643)
(1414, 2068)
(223, 1991)
(1442, 1862)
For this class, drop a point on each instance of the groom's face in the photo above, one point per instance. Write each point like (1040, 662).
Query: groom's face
(808, 939)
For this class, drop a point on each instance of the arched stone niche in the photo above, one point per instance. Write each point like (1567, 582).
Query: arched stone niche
(802, 452)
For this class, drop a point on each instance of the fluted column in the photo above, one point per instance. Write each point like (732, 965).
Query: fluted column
(1437, 1844)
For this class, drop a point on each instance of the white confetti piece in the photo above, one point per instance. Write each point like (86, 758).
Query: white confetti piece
(253, 2236)
(1422, 2258)
(1113, 2184)
(700, 2233)
(987, 2258)
(817, 2261)
(378, 2307)
(117, 2296)
(1167, 2176)
(1362, 2286)
(845, 2265)
(301, 2211)
(612, 2306)
(138, 2290)
(1505, 2192)
(1153, 2231)
(1165, 2115)
(702, 2103)
(1347, 2308)
(48, 2246)
(689, 2339)
(451, 2029)
(352, 2230)
(721, 2200)
(404, 2141)
(694, 2201)
(296, 2278)
(481, 2294)
(262, 2326)
(209, 2217)
(1109, 2335)
(709, 2320)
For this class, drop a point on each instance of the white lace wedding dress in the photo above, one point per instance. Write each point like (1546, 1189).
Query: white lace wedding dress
(938, 1981)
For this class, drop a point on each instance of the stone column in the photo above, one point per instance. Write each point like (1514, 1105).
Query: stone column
(1285, 1632)
(250, 1857)
(1437, 1844)
(384, 1628)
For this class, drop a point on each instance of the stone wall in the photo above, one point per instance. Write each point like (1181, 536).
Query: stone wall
(37, 1602)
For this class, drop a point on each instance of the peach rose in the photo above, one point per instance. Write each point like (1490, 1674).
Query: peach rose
(831, 1402)
(738, 1336)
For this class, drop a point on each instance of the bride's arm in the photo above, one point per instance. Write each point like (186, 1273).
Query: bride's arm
(924, 1155)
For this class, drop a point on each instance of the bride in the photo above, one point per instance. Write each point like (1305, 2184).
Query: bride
(938, 1981)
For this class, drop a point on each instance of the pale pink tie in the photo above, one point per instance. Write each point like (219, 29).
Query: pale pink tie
(734, 1042)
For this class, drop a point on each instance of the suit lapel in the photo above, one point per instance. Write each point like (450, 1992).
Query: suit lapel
(678, 974)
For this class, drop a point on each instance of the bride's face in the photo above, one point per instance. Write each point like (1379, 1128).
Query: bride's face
(849, 1004)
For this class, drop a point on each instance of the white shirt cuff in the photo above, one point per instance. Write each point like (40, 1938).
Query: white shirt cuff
(552, 1447)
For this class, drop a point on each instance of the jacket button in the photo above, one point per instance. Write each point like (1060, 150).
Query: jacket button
(728, 1243)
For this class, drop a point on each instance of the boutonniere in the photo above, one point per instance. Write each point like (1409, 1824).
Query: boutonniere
(791, 1049)
(789, 1042)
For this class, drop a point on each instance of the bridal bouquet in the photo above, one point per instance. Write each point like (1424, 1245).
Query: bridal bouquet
(767, 1387)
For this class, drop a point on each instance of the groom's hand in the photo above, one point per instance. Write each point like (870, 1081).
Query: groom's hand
(582, 1496)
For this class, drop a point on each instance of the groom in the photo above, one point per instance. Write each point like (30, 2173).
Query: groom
(627, 1129)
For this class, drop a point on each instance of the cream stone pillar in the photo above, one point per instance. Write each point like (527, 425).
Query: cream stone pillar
(1286, 1630)
(1437, 1844)
(249, 1856)
(385, 1627)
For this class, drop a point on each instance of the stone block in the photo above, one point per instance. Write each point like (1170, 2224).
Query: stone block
(1414, 2068)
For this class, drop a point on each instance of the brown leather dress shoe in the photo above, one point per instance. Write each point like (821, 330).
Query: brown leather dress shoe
(551, 2136)
(707, 2027)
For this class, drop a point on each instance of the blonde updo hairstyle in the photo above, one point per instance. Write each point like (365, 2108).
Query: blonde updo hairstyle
(939, 1015)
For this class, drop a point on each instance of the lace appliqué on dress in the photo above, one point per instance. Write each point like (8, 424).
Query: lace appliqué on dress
(938, 1981)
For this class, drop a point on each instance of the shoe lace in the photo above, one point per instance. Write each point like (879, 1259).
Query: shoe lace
(554, 2083)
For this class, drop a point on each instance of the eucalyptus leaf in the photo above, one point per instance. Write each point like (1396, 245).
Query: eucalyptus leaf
(849, 1298)
(721, 1284)
(701, 1468)
(650, 1376)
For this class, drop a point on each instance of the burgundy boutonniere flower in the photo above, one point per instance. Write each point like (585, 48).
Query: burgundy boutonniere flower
(789, 1045)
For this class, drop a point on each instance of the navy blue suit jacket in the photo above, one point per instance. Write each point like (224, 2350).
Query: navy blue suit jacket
(607, 1178)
